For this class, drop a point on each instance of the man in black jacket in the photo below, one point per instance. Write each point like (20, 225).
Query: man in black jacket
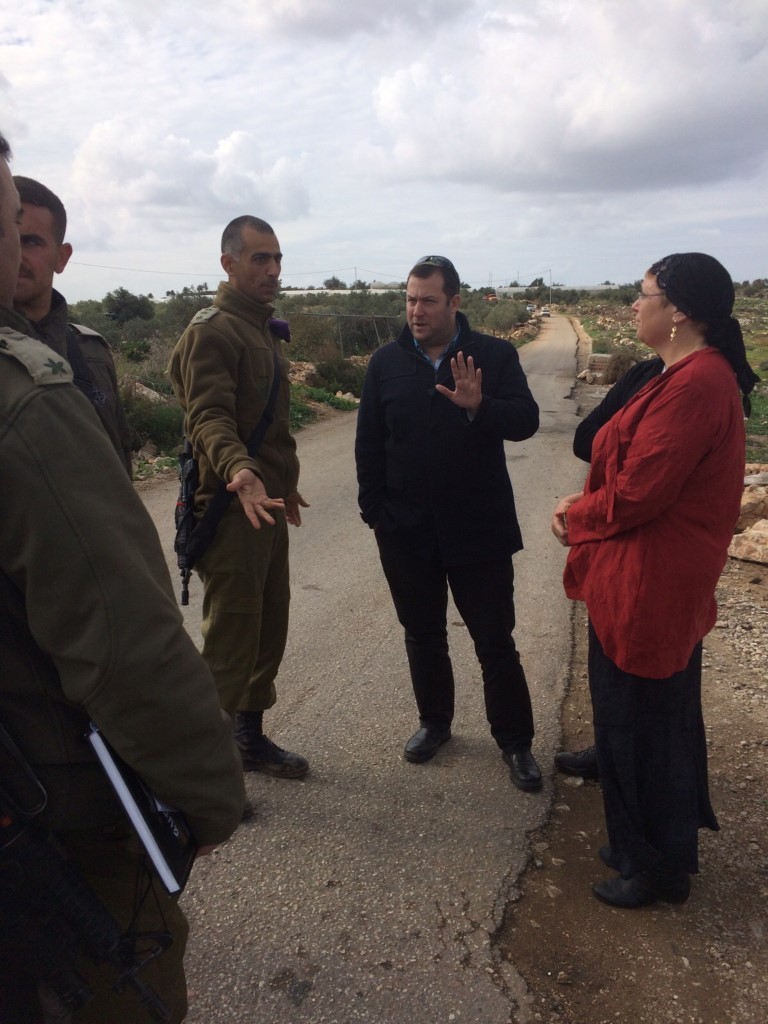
(584, 762)
(437, 406)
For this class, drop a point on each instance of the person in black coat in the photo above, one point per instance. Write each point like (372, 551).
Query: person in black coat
(436, 408)
(584, 762)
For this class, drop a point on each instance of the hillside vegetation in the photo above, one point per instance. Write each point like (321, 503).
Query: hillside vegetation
(333, 334)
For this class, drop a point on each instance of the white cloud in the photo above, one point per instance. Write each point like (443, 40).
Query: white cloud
(608, 97)
(165, 182)
(583, 137)
(344, 17)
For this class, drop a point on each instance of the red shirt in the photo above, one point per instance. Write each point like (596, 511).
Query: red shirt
(650, 536)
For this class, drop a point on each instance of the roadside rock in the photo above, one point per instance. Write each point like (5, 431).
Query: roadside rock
(752, 545)
(754, 506)
(144, 392)
(751, 541)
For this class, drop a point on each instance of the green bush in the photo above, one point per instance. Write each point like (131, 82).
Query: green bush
(302, 413)
(757, 425)
(326, 398)
(136, 351)
(504, 317)
(338, 375)
(157, 423)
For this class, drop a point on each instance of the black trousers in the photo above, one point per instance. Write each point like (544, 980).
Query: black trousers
(484, 595)
(652, 753)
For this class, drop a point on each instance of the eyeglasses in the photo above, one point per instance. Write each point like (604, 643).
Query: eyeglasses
(648, 295)
(435, 261)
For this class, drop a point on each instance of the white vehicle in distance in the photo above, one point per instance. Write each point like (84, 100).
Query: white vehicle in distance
(544, 311)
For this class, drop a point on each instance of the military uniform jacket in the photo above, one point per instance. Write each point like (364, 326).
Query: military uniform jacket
(222, 370)
(89, 627)
(94, 370)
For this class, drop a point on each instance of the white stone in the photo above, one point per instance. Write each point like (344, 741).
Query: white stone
(752, 544)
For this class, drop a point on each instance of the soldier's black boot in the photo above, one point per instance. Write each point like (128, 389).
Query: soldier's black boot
(260, 754)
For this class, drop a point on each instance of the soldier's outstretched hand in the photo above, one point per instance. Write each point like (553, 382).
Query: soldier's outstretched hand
(294, 503)
(254, 498)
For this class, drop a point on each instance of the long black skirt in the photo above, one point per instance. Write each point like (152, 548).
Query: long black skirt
(652, 755)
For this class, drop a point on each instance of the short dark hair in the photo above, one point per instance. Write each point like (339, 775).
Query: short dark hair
(34, 193)
(429, 265)
(232, 239)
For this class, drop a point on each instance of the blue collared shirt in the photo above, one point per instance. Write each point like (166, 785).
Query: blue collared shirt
(449, 348)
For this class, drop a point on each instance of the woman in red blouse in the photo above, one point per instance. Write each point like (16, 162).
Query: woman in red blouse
(648, 540)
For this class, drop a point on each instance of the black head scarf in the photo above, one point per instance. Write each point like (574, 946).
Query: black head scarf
(702, 288)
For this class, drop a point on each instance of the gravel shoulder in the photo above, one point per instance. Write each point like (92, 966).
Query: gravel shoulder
(707, 961)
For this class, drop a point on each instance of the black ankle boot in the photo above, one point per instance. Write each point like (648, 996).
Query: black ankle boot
(260, 754)
(580, 762)
(644, 888)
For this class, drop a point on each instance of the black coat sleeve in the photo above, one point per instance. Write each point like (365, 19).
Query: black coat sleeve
(370, 448)
(625, 387)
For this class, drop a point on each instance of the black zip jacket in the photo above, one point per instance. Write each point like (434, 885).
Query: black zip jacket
(626, 386)
(424, 468)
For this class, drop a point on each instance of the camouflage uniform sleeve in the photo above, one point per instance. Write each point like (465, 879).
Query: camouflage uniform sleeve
(77, 541)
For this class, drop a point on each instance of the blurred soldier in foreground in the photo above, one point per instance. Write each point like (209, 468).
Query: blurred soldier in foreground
(89, 630)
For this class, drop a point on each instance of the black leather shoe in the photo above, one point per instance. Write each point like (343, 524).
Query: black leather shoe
(260, 754)
(644, 888)
(424, 744)
(580, 762)
(523, 770)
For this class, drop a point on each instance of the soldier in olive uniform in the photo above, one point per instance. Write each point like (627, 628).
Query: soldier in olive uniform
(90, 630)
(222, 370)
(43, 254)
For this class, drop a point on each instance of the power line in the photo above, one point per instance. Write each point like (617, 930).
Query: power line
(377, 274)
(135, 270)
(218, 271)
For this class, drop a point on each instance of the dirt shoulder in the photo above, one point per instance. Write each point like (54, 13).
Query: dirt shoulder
(705, 962)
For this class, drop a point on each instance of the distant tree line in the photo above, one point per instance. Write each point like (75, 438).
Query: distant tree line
(327, 329)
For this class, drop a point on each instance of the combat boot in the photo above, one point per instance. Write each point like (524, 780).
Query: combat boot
(260, 754)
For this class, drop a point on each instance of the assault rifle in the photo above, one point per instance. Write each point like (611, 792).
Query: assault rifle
(49, 910)
(185, 517)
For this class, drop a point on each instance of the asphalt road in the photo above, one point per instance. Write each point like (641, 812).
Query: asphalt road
(371, 890)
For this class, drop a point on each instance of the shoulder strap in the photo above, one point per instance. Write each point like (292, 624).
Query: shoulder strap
(83, 380)
(204, 531)
(43, 364)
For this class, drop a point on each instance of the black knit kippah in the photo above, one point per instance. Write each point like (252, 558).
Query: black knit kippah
(697, 284)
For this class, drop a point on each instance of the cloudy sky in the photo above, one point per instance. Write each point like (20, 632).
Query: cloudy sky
(577, 139)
